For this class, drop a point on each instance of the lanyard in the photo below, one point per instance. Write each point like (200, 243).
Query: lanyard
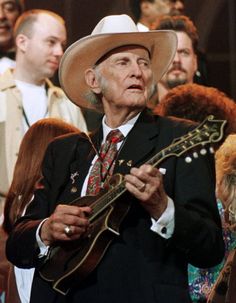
(26, 118)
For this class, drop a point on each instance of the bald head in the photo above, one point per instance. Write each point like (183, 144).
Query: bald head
(25, 23)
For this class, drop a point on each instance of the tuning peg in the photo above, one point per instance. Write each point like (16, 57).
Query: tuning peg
(211, 150)
(188, 159)
(203, 151)
(195, 155)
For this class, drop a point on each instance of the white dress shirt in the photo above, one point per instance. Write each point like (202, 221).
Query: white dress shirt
(24, 279)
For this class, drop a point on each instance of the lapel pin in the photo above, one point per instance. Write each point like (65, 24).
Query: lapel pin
(73, 189)
(73, 176)
(120, 162)
(129, 163)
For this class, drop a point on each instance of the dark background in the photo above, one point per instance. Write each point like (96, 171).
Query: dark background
(214, 19)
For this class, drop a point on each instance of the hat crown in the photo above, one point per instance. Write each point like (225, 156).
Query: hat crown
(115, 24)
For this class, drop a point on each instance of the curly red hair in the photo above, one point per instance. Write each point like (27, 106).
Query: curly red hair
(195, 102)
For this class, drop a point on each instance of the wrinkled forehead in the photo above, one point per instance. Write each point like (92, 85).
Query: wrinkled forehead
(122, 49)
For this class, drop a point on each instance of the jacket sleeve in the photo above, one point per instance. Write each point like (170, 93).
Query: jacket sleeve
(198, 232)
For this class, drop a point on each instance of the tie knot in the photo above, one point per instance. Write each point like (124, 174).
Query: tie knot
(115, 136)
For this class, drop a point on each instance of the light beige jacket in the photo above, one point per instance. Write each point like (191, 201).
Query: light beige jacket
(11, 126)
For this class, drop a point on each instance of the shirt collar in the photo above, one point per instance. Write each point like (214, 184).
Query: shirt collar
(124, 128)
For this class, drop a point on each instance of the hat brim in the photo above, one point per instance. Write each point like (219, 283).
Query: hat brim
(84, 53)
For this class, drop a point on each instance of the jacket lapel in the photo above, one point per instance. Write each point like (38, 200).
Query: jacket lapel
(141, 143)
(84, 156)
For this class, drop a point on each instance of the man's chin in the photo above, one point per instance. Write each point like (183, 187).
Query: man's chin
(5, 42)
(50, 74)
(176, 82)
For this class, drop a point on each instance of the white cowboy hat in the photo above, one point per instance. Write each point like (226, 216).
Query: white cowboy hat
(111, 32)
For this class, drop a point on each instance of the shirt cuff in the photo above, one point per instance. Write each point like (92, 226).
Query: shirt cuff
(165, 225)
(42, 247)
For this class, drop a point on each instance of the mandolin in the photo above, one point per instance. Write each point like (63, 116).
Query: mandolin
(69, 263)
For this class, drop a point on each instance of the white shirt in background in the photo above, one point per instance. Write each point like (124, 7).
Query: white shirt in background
(34, 100)
(6, 63)
(142, 28)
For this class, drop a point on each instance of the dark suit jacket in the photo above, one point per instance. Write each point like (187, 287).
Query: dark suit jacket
(140, 265)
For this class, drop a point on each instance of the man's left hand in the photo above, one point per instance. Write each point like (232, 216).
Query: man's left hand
(146, 184)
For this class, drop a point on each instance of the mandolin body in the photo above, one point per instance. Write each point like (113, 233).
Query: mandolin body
(69, 263)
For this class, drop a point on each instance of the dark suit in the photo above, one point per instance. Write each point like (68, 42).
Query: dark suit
(139, 266)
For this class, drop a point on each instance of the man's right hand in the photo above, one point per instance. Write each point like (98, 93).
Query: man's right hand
(68, 222)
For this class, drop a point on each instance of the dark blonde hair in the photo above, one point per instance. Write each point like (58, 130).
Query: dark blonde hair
(226, 175)
(180, 23)
(27, 172)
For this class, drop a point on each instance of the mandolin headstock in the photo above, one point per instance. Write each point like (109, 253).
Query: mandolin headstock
(208, 132)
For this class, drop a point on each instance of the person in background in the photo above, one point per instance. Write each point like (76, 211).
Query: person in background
(146, 13)
(195, 102)
(226, 177)
(27, 171)
(26, 93)
(226, 190)
(171, 219)
(10, 10)
(190, 64)
(202, 281)
(178, 7)
(27, 176)
(184, 65)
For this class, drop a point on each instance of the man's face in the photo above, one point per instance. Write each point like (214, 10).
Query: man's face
(184, 65)
(9, 11)
(159, 8)
(44, 49)
(177, 7)
(126, 78)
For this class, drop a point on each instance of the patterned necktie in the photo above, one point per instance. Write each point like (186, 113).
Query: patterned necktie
(104, 165)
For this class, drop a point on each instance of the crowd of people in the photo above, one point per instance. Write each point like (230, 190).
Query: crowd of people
(96, 193)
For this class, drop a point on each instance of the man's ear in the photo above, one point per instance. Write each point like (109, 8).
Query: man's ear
(91, 80)
(21, 42)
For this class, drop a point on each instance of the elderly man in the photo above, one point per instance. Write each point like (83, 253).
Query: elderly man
(26, 94)
(9, 12)
(129, 240)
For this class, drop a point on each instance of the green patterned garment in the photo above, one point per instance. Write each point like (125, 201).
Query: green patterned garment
(202, 280)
